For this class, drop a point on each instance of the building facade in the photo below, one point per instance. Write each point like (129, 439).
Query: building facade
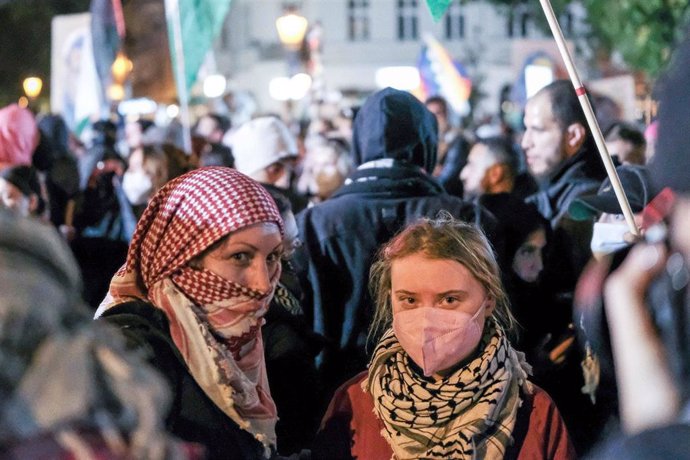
(361, 36)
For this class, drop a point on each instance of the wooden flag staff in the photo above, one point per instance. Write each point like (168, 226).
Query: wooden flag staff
(589, 113)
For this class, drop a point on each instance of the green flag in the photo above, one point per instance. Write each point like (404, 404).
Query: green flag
(438, 8)
(201, 21)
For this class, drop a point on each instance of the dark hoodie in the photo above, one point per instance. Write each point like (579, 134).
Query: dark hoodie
(342, 234)
(394, 124)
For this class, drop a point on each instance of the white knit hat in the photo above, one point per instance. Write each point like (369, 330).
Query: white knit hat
(261, 142)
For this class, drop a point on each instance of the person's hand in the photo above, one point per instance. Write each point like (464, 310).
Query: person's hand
(640, 267)
(647, 394)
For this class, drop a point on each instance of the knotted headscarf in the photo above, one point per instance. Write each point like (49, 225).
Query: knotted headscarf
(210, 317)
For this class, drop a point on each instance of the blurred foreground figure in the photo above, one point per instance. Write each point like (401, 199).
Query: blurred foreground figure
(68, 389)
(647, 298)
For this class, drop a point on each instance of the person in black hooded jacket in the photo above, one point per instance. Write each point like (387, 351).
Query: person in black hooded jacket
(395, 141)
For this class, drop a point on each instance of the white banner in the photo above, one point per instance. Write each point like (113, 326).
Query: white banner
(76, 92)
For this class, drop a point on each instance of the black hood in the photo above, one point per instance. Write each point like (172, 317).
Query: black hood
(394, 124)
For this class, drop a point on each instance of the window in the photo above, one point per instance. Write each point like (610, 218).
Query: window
(524, 24)
(455, 22)
(358, 20)
(407, 20)
(519, 21)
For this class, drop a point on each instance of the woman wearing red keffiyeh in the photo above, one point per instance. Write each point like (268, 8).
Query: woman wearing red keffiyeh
(200, 273)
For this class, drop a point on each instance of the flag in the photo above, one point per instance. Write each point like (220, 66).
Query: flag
(107, 32)
(438, 8)
(441, 75)
(89, 101)
(200, 21)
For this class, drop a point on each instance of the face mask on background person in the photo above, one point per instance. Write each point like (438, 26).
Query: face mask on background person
(608, 238)
(137, 186)
(435, 338)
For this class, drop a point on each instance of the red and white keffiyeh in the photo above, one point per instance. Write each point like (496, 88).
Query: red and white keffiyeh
(210, 317)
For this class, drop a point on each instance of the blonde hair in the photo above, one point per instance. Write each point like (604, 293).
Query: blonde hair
(440, 238)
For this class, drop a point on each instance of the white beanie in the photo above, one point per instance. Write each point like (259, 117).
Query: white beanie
(261, 142)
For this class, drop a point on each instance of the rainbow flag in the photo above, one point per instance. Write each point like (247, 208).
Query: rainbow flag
(441, 75)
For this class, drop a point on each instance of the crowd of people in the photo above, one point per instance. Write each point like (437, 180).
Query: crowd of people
(385, 285)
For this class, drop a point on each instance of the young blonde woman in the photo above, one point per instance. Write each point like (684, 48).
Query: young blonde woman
(444, 381)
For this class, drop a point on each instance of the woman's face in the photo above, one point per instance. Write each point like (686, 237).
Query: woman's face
(250, 256)
(528, 262)
(418, 281)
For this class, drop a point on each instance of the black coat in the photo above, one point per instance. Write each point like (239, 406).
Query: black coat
(580, 175)
(193, 416)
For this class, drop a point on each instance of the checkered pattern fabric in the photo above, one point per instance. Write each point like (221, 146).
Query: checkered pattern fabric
(192, 212)
(210, 318)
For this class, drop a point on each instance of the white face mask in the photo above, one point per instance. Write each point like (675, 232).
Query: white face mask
(608, 238)
(137, 187)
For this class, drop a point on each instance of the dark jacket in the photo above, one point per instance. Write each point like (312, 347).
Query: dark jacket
(193, 416)
(342, 234)
(580, 175)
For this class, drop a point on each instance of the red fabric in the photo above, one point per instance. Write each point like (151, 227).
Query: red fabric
(18, 136)
(350, 417)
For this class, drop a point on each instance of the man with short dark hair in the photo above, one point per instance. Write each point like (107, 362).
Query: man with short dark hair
(492, 167)
(489, 180)
(562, 156)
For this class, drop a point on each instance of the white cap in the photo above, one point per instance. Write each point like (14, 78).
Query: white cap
(261, 142)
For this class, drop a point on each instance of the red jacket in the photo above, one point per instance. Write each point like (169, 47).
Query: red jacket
(350, 429)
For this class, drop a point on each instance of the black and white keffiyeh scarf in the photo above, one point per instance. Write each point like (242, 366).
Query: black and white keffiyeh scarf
(469, 414)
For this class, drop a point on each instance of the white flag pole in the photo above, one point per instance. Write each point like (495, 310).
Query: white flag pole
(172, 13)
(589, 113)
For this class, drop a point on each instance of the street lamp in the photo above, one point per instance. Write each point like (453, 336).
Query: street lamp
(121, 68)
(32, 87)
(214, 86)
(291, 28)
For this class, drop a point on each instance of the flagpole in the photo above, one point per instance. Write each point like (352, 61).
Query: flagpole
(172, 12)
(591, 118)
